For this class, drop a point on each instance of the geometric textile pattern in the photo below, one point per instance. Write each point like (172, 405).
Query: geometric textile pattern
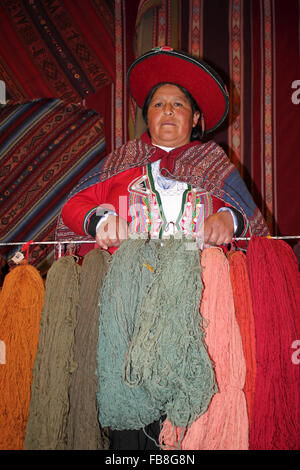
(62, 49)
(46, 147)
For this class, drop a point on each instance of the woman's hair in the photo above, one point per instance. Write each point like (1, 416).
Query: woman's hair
(196, 132)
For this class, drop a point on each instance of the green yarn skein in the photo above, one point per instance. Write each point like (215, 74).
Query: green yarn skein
(152, 357)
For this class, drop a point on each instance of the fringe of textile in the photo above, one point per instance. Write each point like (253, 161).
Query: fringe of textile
(54, 363)
(244, 314)
(21, 303)
(275, 287)
(152, 356)
(224, 426)
(84, 430)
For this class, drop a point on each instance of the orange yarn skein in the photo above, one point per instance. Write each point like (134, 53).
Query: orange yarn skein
(244, 314)
(21, 303)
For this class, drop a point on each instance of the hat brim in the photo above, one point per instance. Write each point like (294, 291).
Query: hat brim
(202, 82)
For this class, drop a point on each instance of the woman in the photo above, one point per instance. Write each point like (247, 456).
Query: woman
(167, 181)
(170, 122)
(219, 183)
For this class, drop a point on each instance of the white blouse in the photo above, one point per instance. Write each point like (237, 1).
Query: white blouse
(170, 192)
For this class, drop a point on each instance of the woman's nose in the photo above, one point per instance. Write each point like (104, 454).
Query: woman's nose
(168, 108)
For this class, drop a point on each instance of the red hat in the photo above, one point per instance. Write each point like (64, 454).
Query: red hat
(164, 64)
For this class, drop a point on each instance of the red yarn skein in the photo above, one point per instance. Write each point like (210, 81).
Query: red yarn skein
(275, 288)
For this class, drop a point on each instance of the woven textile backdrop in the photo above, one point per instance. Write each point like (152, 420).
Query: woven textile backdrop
(254, 45)
(64, 65)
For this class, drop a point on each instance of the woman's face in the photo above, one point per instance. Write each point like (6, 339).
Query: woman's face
(170, 117)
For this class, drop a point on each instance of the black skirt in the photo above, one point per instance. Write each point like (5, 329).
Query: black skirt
(140, 439)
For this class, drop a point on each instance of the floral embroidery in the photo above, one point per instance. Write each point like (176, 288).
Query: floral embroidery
(147, 214)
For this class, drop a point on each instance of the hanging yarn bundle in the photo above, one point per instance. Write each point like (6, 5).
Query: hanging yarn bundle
(224, 426)
(54, 363)
(244, 314)
(126, 281)
(275, 287)
(21, 303)
(84, 431)
(167, 351)
(152, 358)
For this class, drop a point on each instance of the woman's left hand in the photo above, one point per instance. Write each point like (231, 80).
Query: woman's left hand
(218, 228)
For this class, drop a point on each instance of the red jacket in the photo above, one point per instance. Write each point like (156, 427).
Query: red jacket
(133, 196)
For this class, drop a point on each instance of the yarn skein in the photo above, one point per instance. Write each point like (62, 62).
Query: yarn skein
(84, 430)
(54, 363)
(126, 281)
(275, 287)
(152, 357)
(244, 314)
(167, 352)
(21, 303)
(224, 426)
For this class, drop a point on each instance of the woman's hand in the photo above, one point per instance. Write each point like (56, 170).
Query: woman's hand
(218, 228)
(112, 232)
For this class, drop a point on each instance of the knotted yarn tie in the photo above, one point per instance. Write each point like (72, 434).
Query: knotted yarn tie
(25, 248)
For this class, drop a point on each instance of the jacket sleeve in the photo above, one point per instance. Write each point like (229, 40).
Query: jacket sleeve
(80, 212)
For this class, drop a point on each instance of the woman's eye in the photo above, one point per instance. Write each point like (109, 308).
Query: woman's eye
(177, 104)
(157, 105)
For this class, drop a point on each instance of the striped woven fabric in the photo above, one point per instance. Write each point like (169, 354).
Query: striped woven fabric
(46, 147)
(72, 50)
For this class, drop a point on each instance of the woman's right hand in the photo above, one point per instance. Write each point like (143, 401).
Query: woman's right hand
(112, 232)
